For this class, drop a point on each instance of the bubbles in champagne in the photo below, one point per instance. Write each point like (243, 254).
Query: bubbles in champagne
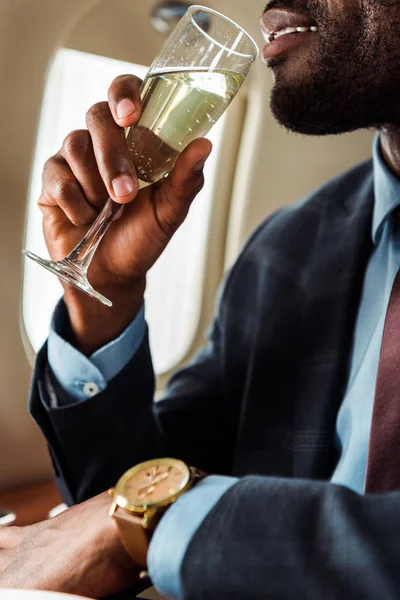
(178, 107)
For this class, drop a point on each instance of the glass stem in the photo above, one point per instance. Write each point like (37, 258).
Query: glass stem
(82, 254)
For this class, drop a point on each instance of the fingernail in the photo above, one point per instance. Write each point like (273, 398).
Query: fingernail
(125, 108)
(198, 166)
(123, 185)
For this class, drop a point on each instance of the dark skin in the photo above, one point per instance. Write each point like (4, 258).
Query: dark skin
(342, 78)
(78, 552)
(345, 76)
(76, 183)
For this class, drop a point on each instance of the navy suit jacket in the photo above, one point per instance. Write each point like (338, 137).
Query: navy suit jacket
(259, 402)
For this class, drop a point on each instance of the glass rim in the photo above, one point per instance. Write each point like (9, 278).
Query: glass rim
(206, 9)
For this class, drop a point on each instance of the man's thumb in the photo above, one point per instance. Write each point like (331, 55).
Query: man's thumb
(178, 190)
(185, 179)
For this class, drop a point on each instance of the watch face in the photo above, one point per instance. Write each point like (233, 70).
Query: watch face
(153, 482)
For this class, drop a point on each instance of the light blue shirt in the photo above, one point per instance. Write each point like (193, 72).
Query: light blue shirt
(82, 377)
(354, 419)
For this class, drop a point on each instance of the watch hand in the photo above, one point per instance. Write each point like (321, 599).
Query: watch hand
(161, 477)
(156, 480)
(151, 476)
(148, 491)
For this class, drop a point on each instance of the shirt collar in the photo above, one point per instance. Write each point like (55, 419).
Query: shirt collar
(386, 189)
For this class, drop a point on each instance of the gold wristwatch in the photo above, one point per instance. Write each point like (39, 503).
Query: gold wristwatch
(141, 497)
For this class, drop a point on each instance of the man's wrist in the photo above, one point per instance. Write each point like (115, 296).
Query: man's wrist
(109, 536)
(93, 325)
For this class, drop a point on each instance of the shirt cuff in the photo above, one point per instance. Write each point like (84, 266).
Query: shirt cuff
(176, 529)
(81, 377)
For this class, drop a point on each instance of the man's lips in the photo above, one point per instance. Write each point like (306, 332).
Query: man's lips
(284, 44)
(284, 30)
(277, 19)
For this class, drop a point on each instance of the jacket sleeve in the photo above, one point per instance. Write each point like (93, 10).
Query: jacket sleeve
(94, 441)
(281, 538)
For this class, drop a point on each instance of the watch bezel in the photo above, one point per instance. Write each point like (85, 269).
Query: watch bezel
(138, 506)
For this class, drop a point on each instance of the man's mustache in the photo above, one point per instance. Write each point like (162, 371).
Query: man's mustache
(299, 6)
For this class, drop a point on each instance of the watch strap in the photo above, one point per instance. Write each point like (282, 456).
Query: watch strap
(135, 538)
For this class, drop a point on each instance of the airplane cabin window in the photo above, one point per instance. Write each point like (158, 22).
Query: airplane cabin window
(77, 80)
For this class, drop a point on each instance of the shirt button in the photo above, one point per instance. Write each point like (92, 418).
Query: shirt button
(91, 389)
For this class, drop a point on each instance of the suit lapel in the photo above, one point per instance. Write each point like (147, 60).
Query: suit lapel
(335, 283)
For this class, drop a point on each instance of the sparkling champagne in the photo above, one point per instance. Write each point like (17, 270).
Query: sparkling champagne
(178, 107)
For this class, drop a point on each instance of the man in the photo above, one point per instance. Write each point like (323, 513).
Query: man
(279, 404)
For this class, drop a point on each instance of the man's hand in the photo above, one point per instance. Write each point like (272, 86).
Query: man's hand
(92, 165)
(78, 552)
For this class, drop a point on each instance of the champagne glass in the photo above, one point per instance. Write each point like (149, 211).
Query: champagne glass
(198, 72)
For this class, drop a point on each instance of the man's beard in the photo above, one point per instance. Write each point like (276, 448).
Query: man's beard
(352, 83)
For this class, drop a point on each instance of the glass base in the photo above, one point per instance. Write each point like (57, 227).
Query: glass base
(70, 273)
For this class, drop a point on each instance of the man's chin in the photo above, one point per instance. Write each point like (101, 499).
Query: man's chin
(288, 113)
(290, 101)
(308, 114)
(297, 124)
